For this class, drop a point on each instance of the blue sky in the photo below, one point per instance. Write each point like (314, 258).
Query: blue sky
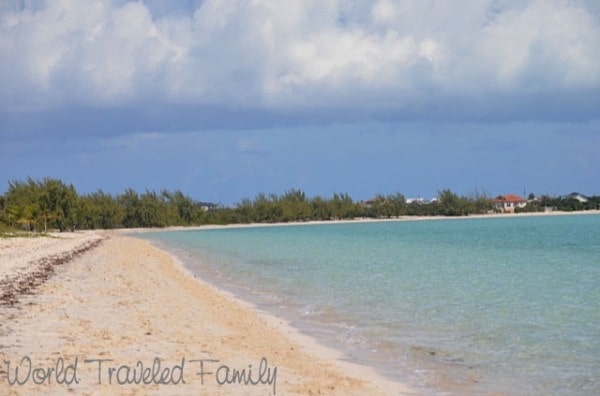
(226, 99)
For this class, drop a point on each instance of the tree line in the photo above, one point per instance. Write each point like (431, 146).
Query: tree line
(51, 204)
(563, 204)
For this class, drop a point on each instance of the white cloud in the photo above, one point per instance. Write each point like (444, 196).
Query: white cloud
(384, 11)
(278, 54)
(547, 45)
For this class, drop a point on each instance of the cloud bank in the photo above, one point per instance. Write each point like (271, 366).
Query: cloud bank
(412, 56)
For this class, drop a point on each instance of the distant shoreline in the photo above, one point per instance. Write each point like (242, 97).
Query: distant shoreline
(355, 220)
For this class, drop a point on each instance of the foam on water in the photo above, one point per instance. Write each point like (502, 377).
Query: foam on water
(479, 305)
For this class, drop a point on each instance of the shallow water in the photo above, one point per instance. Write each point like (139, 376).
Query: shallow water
(467, 306)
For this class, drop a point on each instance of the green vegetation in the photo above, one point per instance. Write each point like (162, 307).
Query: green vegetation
(51, 204)
(544, 203)
(39, 205)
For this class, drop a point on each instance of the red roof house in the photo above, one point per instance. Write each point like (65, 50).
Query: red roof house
(509, 202)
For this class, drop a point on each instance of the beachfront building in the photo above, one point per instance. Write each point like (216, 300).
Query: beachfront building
(575, 195)
(508, 203)
(415, 200)
(368, 204)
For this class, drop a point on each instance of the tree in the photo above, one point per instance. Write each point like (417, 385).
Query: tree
(35, 205)
(267, 208)
(184, 207)
(2, 210)
(375, 207)
(224, 216)
(294, 206)
(479, 203)
(398, 204)
(451, 204)
(20, 203)
(320, 209)
(342, 207)
(100, 210)
(245, 211)
(152, 210)
(58, 204)
(130, 202)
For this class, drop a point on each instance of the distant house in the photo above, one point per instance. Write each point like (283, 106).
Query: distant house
(370, 203)
(207, 206)
(575, 195)
(417, 200)
(509, 202)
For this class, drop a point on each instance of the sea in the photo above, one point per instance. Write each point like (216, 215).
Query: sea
(450, 306)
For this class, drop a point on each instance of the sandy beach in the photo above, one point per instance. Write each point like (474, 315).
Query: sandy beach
(103, 313)
(363, 220)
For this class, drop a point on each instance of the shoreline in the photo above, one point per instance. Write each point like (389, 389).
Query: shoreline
(307, 343)
(126, 271)
(357, 220)
(127, 302)
(441, 384)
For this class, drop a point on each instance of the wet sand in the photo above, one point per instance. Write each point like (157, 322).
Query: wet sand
(123, 317)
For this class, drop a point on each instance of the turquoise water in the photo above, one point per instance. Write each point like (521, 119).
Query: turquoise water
(450, 306)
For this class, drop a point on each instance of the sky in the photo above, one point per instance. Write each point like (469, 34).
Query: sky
(227, 99)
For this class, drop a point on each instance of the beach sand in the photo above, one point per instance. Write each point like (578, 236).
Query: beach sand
(122, 305)
(363, 220)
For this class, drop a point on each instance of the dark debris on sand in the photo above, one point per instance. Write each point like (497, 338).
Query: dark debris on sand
(22, 284)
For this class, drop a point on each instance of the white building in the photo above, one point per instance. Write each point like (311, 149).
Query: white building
(575, 195)
(509, 202)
